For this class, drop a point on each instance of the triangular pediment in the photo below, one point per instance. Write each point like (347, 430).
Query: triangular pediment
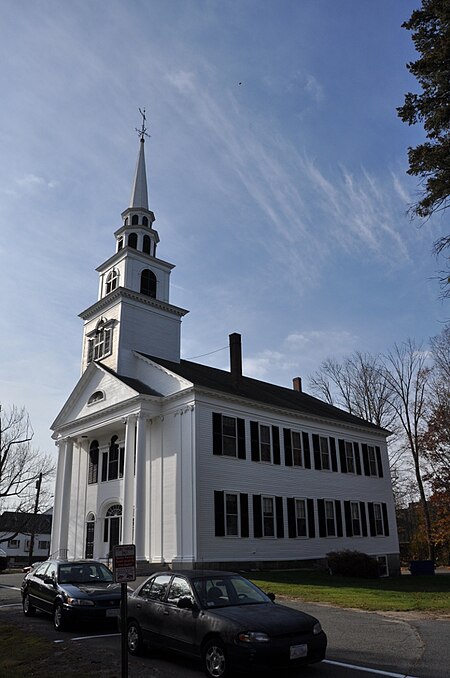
(98, 389)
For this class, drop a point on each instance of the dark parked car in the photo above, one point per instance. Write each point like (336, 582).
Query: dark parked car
(70, 591)
(222, 618)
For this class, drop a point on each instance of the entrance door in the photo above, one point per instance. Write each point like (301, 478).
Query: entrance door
(114, 533)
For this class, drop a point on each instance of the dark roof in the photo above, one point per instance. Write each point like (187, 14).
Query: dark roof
(135, 384)
(260, 391)
(25, 523)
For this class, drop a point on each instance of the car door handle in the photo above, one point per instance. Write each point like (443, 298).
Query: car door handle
(139, 605)
(166, 611)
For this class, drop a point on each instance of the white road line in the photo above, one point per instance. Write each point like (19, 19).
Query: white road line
(105, 635)
(389, 674)
(12, 605)
(8, 586)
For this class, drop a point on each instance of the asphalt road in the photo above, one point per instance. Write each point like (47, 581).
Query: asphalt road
(360, 644)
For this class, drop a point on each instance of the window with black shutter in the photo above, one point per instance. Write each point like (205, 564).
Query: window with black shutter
(228, 436)
(93, 463)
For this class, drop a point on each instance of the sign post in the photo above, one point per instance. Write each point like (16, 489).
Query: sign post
(124, 569)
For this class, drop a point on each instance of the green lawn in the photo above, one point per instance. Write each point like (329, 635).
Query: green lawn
(404, 593)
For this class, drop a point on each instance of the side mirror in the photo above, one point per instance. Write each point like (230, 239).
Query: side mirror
(186, 603)
(271, 596)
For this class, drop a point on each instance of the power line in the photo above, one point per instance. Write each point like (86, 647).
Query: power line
(210, 353)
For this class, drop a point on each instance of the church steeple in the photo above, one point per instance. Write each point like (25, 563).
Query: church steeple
(133, 311)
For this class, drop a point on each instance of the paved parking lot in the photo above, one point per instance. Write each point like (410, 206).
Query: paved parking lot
(360, 644)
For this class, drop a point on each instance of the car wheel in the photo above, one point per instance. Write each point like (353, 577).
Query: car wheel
(28, 608)
(215, 664)
(134, 638)
(59, 621)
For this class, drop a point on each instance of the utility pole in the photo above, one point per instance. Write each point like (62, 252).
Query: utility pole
(36, 507)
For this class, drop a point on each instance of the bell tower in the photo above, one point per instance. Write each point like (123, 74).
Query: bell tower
(132, 311)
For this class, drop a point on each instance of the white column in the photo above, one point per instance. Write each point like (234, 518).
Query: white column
(56, 521)
(140, 503)
(64, 517)
(128, 480)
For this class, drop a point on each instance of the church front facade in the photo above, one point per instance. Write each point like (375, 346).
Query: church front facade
(198, 466)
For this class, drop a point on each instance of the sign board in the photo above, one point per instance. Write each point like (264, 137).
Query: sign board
(124, 563)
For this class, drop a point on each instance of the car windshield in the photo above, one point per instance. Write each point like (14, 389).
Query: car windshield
(222, 591)
(84, 573)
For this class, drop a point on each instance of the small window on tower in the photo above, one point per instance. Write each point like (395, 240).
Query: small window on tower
(112, 280)
(146, 244)
(144, 221)
(134, 220)
(148, 283)
(132, 240)
(119, 244)
(100, 342)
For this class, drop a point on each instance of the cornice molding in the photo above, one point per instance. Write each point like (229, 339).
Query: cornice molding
(121, 293)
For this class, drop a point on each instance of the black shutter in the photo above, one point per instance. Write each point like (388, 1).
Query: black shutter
(287, 446)
(254, 439)
(257, 516)
(379, 463)
(244, 514)
(280, 517)
(217, 433)
(311, 525)
(219, 513)
(334, 466)
(362, 510)
(306, 450)
(342, 456)
(241, 438)
(385, 520)
(276, 445)
(292, 526)
(316, 448)
(321, 512)
(365, 454)
(371, 519)
(338, 508)
(357, 458)
(348, 519)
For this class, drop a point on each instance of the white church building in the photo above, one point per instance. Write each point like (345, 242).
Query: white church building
(199, 466)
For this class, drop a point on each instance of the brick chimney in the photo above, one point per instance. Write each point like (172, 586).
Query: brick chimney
(235, 355)
(297, 384)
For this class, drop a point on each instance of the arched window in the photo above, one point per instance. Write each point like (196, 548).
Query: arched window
(148, 283)
(125, 223)
(134, 220)
(113, 461)
(96, 397)
(100, 344)
(112, 280)
(144, 221)
(112, 526)
(119, 244)
(90, 533)
(132, 240)
(93, 461)
(146, 244)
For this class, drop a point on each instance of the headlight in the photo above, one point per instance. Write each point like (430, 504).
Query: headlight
(317, 629)
(253, 637)
(80, 601)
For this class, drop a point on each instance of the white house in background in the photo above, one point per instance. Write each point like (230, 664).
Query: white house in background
(198, 466)
(20, 532)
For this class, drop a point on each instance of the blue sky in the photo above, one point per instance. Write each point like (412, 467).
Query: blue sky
(276, 169)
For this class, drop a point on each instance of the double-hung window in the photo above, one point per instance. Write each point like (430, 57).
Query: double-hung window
(301, 518)
(265, 443)
(229, 436)
(355, 518)
(296, 441)
(325, 453)
(350, 457)
(113, 461)
(330, 519)
(373, 466)
(231, 515)
(268, 516)
(378, 518)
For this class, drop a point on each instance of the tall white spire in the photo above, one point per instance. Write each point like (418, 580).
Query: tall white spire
(139, 196)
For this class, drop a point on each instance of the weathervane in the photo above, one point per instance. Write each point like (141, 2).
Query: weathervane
(143, 131)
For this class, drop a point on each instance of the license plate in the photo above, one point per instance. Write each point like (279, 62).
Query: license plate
(298, 651)
(113, 612)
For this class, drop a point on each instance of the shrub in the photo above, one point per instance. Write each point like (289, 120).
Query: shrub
(352, 564)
